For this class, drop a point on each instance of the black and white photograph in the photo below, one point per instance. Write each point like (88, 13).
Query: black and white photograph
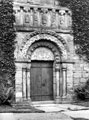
(44, 59)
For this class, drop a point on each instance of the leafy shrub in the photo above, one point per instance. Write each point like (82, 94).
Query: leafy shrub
(6, 94)
(7, 47)
(82, 92)
(80, 13)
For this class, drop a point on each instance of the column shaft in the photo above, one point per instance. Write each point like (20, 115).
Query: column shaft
(28, 83)
(64, 83)
(24, 83)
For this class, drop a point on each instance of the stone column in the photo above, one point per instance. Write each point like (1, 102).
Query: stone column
(24, 83)
(18, 82)
(64, 80)
(28, 81)
(57, 70)
(61, 81)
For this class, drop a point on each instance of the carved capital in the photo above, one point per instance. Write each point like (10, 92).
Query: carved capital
(64, 66)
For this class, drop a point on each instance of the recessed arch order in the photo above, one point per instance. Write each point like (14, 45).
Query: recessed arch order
(52, 37)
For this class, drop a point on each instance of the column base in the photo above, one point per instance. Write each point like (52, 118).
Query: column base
(63, 99)
(58, 100)
(67, 99)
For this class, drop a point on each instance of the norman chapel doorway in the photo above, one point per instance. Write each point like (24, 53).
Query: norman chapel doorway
(41, 80)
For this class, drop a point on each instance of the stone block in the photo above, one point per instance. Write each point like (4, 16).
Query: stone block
(83, 80)
(77, 74)
(86, 74)
(18, 96)
(76, 81)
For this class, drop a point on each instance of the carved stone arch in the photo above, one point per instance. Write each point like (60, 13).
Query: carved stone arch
(42, 37)
(42, 33)
(57, 52)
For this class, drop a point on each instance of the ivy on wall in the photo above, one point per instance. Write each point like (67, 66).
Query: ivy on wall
(80, 11)
(7, 42)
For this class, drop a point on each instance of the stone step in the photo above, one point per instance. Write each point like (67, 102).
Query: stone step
(43, 102)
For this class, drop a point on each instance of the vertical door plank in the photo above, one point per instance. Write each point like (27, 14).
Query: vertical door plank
(47, 82)
(36, 83)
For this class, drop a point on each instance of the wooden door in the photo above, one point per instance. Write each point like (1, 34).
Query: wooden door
(41, 81)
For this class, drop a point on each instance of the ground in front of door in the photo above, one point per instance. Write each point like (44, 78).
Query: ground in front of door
(52, 112)
(34, 116)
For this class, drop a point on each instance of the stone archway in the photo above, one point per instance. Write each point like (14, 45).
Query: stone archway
(54, 55)
(59, 50)
(48, 36)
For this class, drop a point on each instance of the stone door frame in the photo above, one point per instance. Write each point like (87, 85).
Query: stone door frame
(57, 47)
(56, 67)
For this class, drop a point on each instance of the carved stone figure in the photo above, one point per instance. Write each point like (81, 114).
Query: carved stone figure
(69, 19)
(49, 18)
(53, 19)
(64, 19)
(17, 17)
(35, 17)
(27, 18)
(31, 17)
(21, 17)
(44, 17)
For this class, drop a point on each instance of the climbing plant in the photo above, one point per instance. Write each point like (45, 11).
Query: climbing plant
(80, 16)
(7, 43)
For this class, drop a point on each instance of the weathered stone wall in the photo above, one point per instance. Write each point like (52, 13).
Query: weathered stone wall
(80, 72)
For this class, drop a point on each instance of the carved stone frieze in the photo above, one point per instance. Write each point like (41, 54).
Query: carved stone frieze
(44, 17)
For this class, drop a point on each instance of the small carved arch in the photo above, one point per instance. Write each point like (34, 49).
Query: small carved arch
(56, 51)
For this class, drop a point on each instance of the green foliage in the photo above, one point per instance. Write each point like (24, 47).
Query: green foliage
(82, 92)
(7, 43)
(80, 10)
(6, 94)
